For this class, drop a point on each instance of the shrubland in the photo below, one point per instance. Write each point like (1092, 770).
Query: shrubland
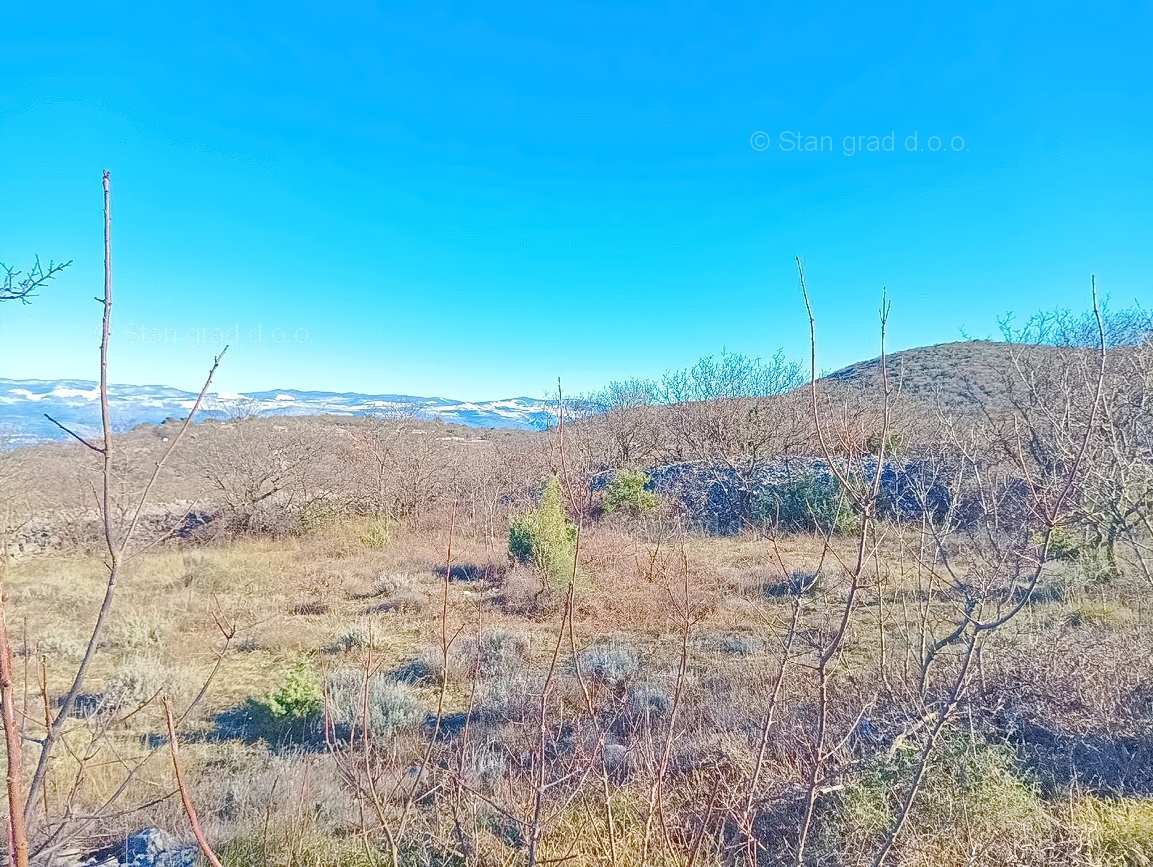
(849, 624)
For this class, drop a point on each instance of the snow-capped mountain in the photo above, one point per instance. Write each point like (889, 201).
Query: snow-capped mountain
(75, 403)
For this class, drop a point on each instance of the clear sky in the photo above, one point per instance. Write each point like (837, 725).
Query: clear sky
(471, 200)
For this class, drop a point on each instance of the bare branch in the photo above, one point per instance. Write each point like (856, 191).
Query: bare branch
(185, 798)
(22, 285)
(75, 435)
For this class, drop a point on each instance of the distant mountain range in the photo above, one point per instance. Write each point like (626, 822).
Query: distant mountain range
(956, 376)
(75, 403)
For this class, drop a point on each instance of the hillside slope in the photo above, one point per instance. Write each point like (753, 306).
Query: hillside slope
(957, 377)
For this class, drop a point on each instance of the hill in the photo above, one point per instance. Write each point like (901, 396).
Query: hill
(956, 377)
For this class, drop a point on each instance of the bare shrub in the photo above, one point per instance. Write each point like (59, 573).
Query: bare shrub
(495, 653)
(613, 663)
(382, 705)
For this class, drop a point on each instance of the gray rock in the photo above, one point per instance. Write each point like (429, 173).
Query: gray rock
(720, 500)
(151, 847)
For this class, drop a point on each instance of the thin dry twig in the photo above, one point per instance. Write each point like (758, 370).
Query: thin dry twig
(182, 785)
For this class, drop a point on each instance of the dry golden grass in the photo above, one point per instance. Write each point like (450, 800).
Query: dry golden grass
(342, 600)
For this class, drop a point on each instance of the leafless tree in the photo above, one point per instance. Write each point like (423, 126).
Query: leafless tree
(264, 474)
(620, 424)
(31, 829)
(407, 466)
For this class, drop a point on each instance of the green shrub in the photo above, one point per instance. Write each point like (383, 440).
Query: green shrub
(1065, 543)
(544, 537)
(314, 515)
(1094, 557)
(138, 681)
(375, 534)
(496, 653)
(627, 495)
(805, 504)
(520, 547)
(972, 791)
(1119, 831)
(348, 641)
(61, 642)
(646, 704)
(292, 711)
(795, 583)
(894, 442)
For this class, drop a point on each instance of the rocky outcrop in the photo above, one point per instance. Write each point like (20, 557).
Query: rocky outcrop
(721, 499)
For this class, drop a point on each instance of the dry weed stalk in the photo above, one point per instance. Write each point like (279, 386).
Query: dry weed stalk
(865, 504)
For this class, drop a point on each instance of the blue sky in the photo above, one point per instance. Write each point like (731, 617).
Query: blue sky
(472, 200)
